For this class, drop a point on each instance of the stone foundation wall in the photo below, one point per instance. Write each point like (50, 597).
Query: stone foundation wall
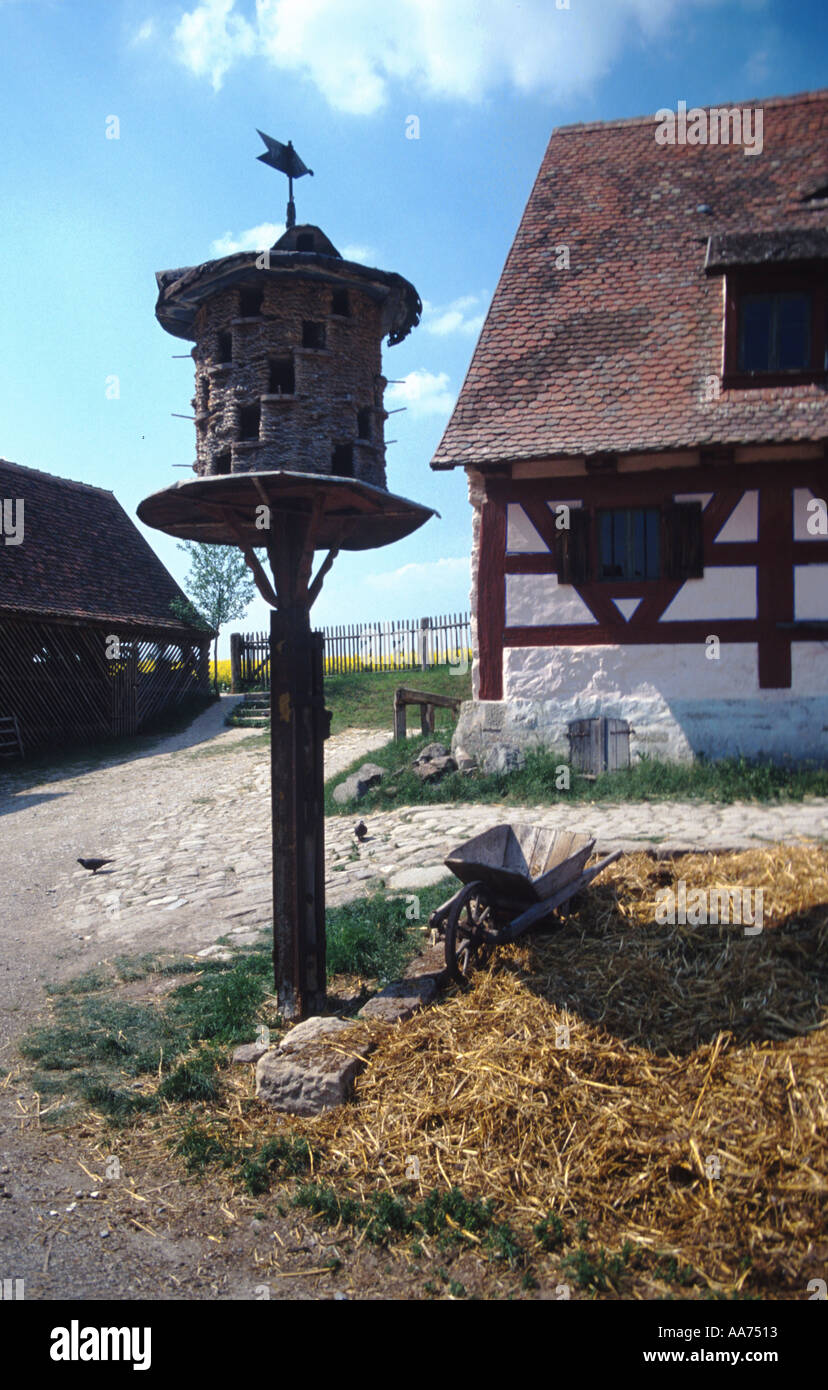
(678, 705)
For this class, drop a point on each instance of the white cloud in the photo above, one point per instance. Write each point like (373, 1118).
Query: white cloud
(421, 576)
(364, 255)
(454, 317)
(145, 33)
(212, 38)
(254, 239)
(424, 393)
(458, 49)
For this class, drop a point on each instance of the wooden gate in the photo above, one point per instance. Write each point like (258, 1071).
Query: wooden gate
(599, 745)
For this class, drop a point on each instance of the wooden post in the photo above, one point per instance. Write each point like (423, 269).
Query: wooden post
(399, 717)
(299, 725)
(235, 671)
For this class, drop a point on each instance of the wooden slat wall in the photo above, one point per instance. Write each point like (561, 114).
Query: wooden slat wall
(57, 679)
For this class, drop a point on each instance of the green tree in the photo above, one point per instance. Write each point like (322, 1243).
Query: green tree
(219, 585)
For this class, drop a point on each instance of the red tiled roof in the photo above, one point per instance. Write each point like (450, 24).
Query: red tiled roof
(81, 556)
(612, 354)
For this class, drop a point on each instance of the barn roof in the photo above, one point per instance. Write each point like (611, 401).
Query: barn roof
(612, 353)
(81, 556)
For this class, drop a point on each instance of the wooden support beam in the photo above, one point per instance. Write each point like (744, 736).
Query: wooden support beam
(299, 725)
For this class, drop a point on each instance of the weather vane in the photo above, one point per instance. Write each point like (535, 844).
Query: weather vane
(286, 160)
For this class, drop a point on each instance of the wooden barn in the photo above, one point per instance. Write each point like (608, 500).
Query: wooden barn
(644, 426)
(90, 644)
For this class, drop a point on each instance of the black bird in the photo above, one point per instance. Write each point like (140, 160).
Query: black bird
(361, 830)
(94, 864)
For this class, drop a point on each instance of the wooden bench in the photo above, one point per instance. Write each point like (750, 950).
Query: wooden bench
(404, 697)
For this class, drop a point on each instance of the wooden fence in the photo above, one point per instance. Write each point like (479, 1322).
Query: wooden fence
(406, 645)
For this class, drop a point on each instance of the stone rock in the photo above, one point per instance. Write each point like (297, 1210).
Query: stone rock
(400, 1000)
(359, 782)
(422, 877)
(465, 762)
(503, 757)
(250, 1052)
(312, 1079)
(215, 953)
(431, 750)
(435, 768)
(313, 1030)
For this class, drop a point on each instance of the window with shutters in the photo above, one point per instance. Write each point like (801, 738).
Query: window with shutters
(632, 544)
(629, 543)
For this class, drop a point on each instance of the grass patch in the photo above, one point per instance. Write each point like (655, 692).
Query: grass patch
(194, 1080)
(598, 1270)
(223, 1005)
(546, 779)
(94, 1039)
(375, 937)
(87, 983)
(365, 699)
(450, 1217)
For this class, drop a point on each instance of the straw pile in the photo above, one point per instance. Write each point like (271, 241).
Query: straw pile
(693, 1050)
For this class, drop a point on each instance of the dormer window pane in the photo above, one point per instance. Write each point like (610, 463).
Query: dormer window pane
(775, 332)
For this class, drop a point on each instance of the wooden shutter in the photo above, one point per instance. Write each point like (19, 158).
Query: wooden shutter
(682, 542)
(573, 548)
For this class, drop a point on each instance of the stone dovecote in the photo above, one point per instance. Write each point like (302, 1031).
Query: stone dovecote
(288, 361)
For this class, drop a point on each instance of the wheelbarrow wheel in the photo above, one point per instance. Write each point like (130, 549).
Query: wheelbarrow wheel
(470, 917)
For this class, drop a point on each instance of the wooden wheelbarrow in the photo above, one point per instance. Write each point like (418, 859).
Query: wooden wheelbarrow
(514, 877)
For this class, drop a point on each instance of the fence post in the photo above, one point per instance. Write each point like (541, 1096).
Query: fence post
(425, 624)
(235, 640)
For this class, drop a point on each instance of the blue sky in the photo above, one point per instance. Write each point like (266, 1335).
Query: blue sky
(87, 220)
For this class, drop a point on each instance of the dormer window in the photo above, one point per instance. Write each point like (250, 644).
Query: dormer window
(775, 332)
(250, 303)
(775, 329)
(304, 241)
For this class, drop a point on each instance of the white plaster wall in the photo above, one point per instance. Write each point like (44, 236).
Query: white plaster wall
(802, 496)
(535, 599)
(726, 591)
(811, 591)
(677, 702)
(743, 524)
(522, 537)
(598, 674)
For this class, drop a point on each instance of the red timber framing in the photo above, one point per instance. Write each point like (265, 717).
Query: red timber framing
(774, 554)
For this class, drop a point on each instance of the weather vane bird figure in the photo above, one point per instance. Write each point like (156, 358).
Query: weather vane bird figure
(286, 160)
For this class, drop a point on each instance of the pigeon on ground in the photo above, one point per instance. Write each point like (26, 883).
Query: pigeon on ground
(361, 830)
(94, 864)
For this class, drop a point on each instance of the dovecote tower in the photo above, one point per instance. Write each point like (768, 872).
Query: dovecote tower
(288, 359)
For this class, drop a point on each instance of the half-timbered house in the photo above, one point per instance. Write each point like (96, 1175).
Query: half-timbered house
(644, 427)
